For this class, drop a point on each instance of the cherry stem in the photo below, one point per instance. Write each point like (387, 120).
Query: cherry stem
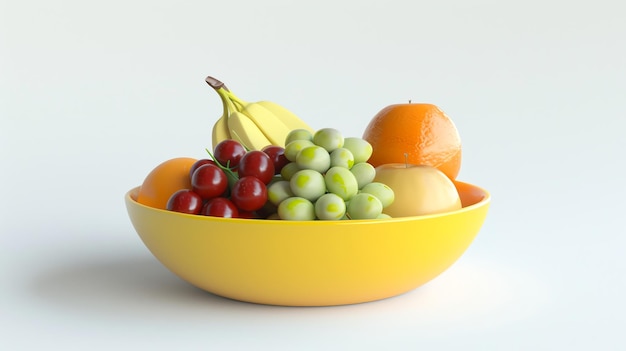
(238, 138)
(229, 172)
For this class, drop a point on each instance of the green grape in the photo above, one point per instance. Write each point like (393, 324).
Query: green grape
(364, 206)
(289, 170)
(360, 148)
(313, 157)
(364, 173)
(328, 138)
(308, 184)
(298, 134)
(383, 216)
(330, 207)
(342, 182)
(296, 209)
(382, 191)
(279, 191)
(341, 157)
(292, 149)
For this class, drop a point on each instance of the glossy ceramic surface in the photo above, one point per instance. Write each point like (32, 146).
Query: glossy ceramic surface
(309, 263)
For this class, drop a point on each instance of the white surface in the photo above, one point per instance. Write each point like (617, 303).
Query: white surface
(93, 95)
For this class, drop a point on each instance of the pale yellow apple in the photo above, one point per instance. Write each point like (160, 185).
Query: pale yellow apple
(418, 189)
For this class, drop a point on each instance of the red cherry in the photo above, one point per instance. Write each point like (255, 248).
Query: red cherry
(229, 153)
(220, 207)
(277, 155)
(249, 193)
(248, 215)
(257, 164)
(209, 181)
(185, 201)
(199, 163)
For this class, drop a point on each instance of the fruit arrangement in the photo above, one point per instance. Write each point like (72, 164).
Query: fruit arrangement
(266, 163)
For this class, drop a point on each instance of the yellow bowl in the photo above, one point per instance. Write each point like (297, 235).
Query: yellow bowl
(309, 263)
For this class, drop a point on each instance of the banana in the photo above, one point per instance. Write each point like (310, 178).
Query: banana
(220, 132)
(256, 124)
(269, 124)
(220, 128)
(286, 116)
(244, 130)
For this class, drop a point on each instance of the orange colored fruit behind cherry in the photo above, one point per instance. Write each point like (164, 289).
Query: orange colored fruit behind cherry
(164, 180)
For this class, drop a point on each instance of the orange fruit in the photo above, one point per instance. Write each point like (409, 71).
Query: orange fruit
(164, 180)
(415, 133)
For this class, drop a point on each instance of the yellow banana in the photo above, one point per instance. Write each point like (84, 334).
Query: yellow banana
(220, 130)
(270, 125)
(240, 127)
(244, 130)
(256, 124)
(286, 116)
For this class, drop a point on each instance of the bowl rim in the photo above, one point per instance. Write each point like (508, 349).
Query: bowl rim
(483, 202)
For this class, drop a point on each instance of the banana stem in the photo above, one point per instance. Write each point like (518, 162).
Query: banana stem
(226, 101)
(219, 87)
(224, 104)
(223, 91)
(226, 98)
(240, 140)
(215, 83)
(229, 105)
(236, 100)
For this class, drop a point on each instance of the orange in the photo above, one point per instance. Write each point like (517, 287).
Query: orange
(415, 133)
(164, 180)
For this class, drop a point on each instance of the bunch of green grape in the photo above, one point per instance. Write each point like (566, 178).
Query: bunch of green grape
(328, 178)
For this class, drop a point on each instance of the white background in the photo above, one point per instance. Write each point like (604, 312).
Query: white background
(93, 95)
